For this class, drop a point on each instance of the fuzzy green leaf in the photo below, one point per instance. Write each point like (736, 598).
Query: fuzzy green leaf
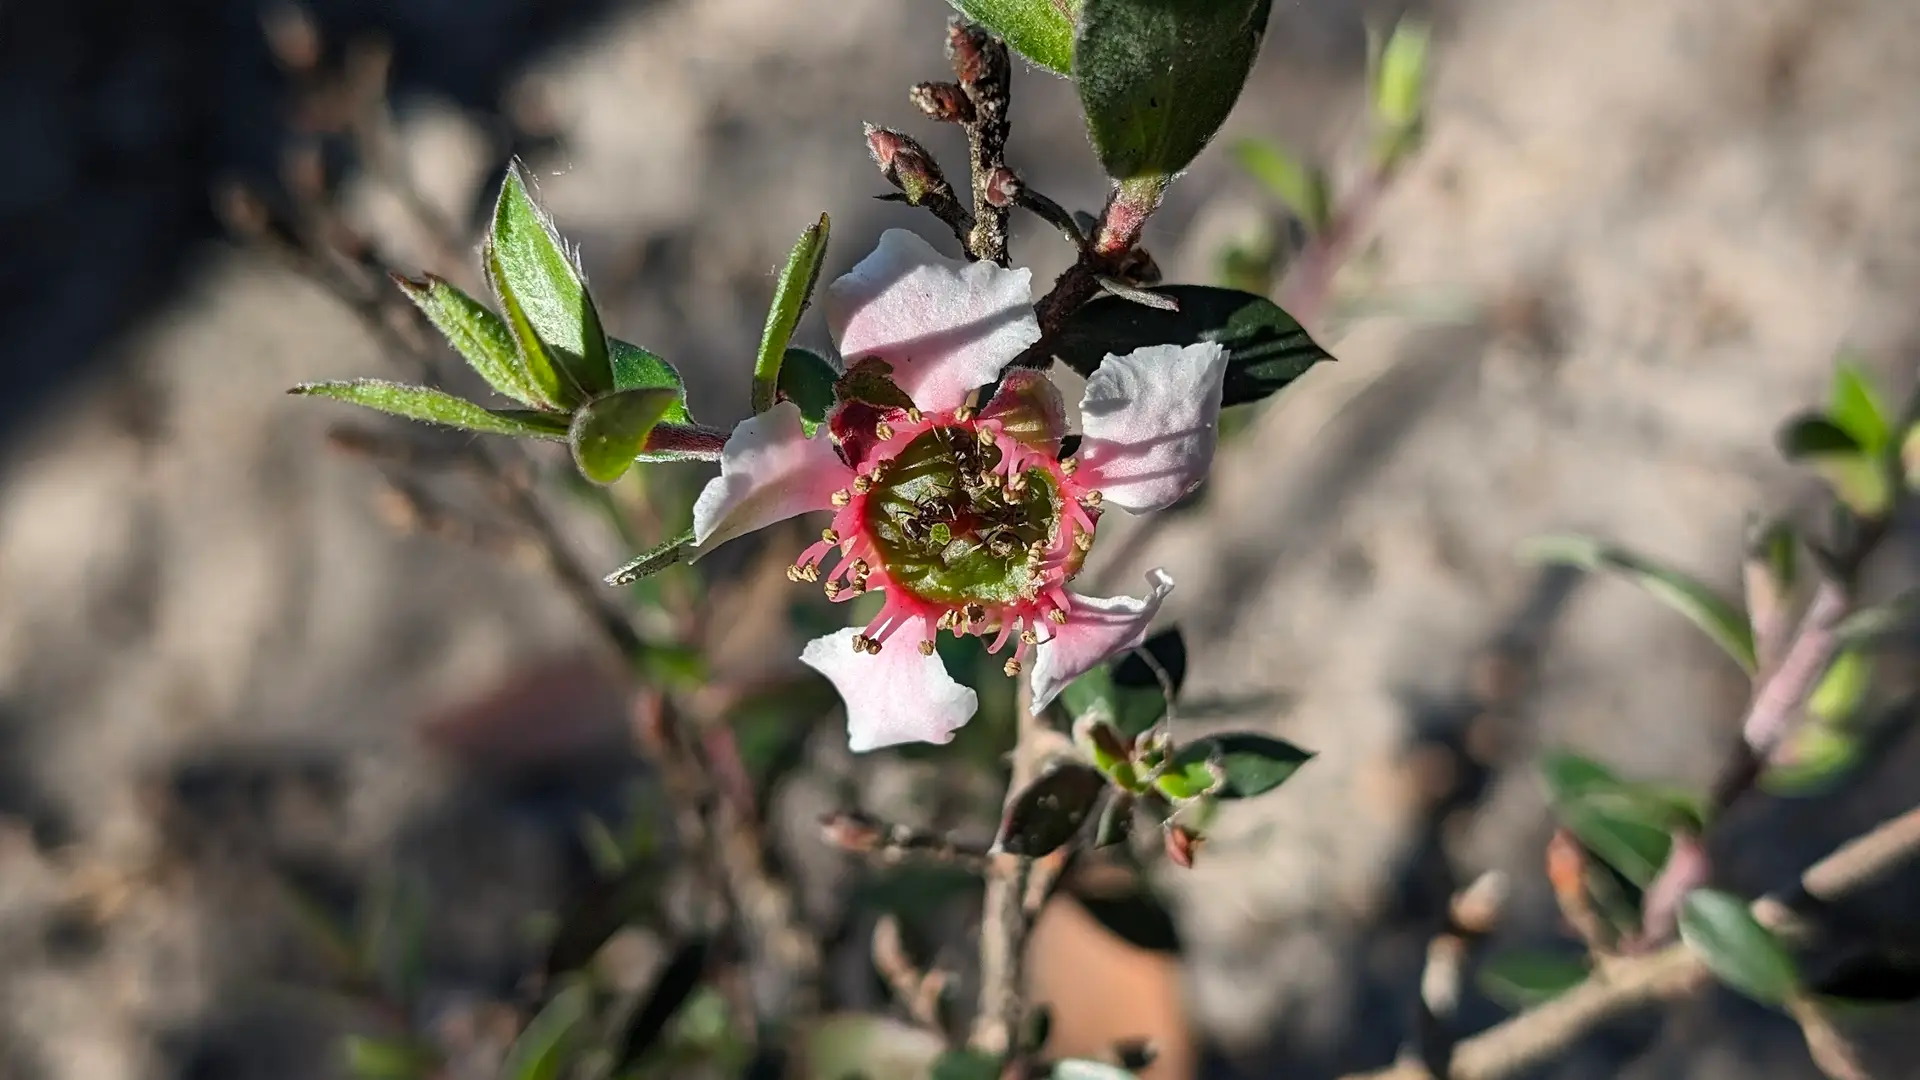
(1040, 30)
(635, 368)
(1249, 764)
(807, 379)
(547, 1046)
(433, 406)
(1523, 979)
(1266, 348)
(533, 267)
(1724, 622)
(1740, 952)
(477, 334)
(652, 562)
(607, 434)
(1157, 78)
(1300, 187)
(791, 294)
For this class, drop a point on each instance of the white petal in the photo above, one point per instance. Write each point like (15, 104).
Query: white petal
(1097, 629)
(945, 325)
(1150, 419)
(769, 471)
(898, 696)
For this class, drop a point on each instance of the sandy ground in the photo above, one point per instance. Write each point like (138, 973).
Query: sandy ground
(214, 654)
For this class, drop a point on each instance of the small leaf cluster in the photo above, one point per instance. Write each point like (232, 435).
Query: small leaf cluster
(1857, 444)
(1133, 764)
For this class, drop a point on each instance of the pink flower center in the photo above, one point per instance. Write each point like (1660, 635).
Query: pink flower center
(964, 527)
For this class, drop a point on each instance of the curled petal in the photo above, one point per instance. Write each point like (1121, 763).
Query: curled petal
(1150, 419)
(946, 326)
(895, 696)
(1097, 629)
(1028, 406)
(770, 471)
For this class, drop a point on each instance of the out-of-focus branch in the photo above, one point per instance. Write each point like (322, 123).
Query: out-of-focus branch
(1470, 918)
(892, 845)
(1675, 971)
(917, 991)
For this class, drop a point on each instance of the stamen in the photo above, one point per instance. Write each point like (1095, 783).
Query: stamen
(793, 574)
(1083, 541)
(843, 497)
(828, 536)
(873, 647)
(883, 431)
(1028, 637)
(860, 642)
(833, 590)
(962, 414)
(1056, 616)
(975, 613)
(985, 437)
(1070, 466)
(862, 485)
(861, 569)
(926, 647)
(1012, 668)
(1091, 498)
(913, 415)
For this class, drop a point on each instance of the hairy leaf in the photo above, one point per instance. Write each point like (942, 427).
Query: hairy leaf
(432, 406)
(791, 294)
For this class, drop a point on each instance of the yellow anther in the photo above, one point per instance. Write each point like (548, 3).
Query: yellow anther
(859, 643)
(1083, 541)
(1091, 498)
(926, 647)
(963, 414)
(833, 589)
(984, 436)
(1029, 637)
(873, 646)
(883, 431)
(913, 415)
(861, 569)
(862, 485)
(829, 536)
(1012, 668)
(842, 497)
(1070, 466)
(793, 574)
(1057, 616)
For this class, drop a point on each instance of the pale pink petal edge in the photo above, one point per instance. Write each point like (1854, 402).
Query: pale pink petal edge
(1097, 629)
(898, 696)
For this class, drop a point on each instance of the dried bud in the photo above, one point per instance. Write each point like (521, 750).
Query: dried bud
(907, 166)
(968, 47)
(1182, 845)
(1003, 187)
(942, 101)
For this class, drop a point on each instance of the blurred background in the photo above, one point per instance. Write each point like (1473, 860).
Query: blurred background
(250, 681)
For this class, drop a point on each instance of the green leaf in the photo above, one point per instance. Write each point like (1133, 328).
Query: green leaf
(1722, 620)
(1627, 826)
(635, 368)
(1130, 709)
(806, 379)
(1266, 347)
(1523, 979)
(1184, 780)
(1399, 89)
(1870, 626)
(536, 273)
(1858, 476)
(1813, 759)
(1910, 456)
(546, 1047)
(965, 1065)
(1842, 688)
(388, 1059)
(1302, 188)
(654, 561)
(1082, 1069)
(477, 334)
(1736, 948)
(607, 434)
(432, 406)
(791, 294)
(1157, 78)
(1250, 764)
(1040, 30)
(1116, 820)
(1856, 408)
(1050, 811)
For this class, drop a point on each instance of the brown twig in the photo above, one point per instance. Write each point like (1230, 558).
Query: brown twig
(893, 845)
(917, 991)
(985, 74)
(1470, 918)
(1675, 971)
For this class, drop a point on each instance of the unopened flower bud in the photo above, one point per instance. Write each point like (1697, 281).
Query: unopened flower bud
(1003, 187)
(907, 166)
(942, 101)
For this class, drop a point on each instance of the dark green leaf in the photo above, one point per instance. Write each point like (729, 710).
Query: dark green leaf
(1723, 621)
(607, 434)
(1082, 1069)
(1157, 78)
(1522, 979)
(1051, 810)
(672, 988)
(477, 334)
(652, 562)
(635, 368)
(1131, 710)
(965, 1065)
(1857, 474)
(430, 405)
(533, 268)
(1299, 186)
(1814, 435)
(547, 1046)
(806, 379)
(1250, 764)
(1628, 826)
(791, 294)
(1266, 347)
(1739, 951)
(1040, 30)
(1856, 409)
(388, 1059)
(1167, 651)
